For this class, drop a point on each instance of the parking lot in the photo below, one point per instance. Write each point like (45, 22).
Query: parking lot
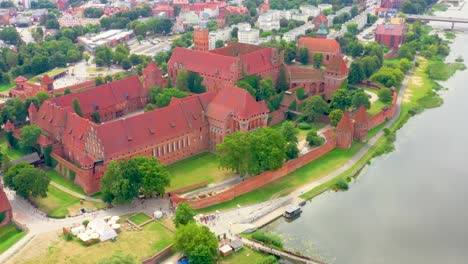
(150, 47)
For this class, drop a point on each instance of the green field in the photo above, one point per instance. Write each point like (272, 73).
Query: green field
(200, 168)
(140, 218)
(62, 180)
(282, 187)
(245, 255)
(59, 204)
(6, 86)
(12, 153)
(9, 235)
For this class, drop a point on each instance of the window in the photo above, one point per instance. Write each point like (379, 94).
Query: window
(159, 151)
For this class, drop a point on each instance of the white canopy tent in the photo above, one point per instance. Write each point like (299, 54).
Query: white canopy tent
(103, 229)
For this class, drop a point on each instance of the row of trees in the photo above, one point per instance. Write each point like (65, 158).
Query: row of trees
(105, 56)
(121, 19)
(152, 26)
(25, 180)
(16, 110)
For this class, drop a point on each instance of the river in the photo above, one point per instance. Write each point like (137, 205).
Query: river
(409, 206)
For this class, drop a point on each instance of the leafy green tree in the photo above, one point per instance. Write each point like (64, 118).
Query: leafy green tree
(291, 151)
(188, 239)
(318, 60)
(67, 91)
(245, 85)
(356, 72)
(266, 89)
(314, 108)
(361, 98)
(219, 44)
(77, 107)
(234, 153)
(314, 140)
(352, 28)
(335, 117)
(29, 135)
(150, 107)
(96, 117)
(27, 181)
(388, 76)
(104, 56)
(341, 99)
(182, 80)
(162, 97)
(52, 24)
(289, 132)
(124, 180)
(304, 55)
(14, 110)
(385, 95)
(201, 255)
(370, 64)
(354, 11)
(126, 64)
(10, 35)
(184, 214)
(282, 80)
(195, 83)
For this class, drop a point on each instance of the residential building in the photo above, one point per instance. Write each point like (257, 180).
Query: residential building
(390, 35)
(62, 5)
(4, 17)
(330, 48)
(163, 11)
(68, 20)
(309, 10)
(391, 3)
(248, 36)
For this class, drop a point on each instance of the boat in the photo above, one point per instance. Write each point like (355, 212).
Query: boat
(292, 212)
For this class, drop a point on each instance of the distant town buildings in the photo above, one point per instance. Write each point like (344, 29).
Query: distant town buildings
(391, 3)
(68, 20)
(248, 35)
(163, 11)
(107, 38)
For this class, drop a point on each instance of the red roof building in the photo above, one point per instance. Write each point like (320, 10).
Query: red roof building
(166, 10)
(5, 208)
(318, 20)
(26, 89)
(330, 48)
(390, 35)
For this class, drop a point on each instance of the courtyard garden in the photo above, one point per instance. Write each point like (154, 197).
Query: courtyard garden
(245, 255)
(199, 168)
(141, 244)
(9, 235)
(140, 218)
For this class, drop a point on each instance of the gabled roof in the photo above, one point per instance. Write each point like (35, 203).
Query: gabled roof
(320, 44)
(236, 101)
(390, 29)
(179, 118)
(4, 203)
(361, 116)
(20, 79)
(152, 66)
(103, 96)
(299, 73)
(32, 108)
(345, 123)
(9, 126)
(203, 62)
(337, 64)
(74, 134)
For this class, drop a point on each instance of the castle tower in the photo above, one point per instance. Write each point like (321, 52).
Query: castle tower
(32, 111)
(322, 32)
(201, 39)
(361, 124)
(47, 84)
(344, 132)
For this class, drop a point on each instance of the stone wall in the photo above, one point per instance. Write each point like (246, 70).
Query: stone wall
(386, 113)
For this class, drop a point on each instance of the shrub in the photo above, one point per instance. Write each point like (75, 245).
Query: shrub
(314, 139)
(301, 94)
(304, 126)
(385, 95)
(68, 237)
(268, 238)
(85, 222)
(341, 184)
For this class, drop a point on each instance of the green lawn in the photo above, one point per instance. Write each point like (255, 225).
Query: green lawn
(9, 235)
(62, 180)
(281, 187)
(140, 218)
(12, 153)
(315, 126)
(197, 169)
(377, 105)
(6, 86)
(59, 204)
(245, 255)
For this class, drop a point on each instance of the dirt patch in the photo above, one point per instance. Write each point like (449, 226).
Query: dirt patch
(38, 246)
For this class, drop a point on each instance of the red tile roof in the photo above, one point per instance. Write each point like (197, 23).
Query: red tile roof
(258, 61)
(104, 96)
(337, 64)
(46, 79)
(51, 117)
(4, 203)
(9, 126)
(32, 108)
(152, 66)
(203, 62)
(390, 29)
(74, 136)
(20, 79)
(320, 44)
(345, 123)
(361, 116)
(180, 117)
(236, 101)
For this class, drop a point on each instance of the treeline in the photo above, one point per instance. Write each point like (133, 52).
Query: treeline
(120, 20)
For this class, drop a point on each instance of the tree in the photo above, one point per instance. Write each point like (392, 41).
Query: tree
(361, 98)
(183, 214)
(314, 108)
(219, 44)
(188, 239)
(291, 151)
(162, 97)
(318, 60)
(96, 117)
(352, 28)
(27, 181)
(52, 24)
(124, 180)
(182, 82)
(104, 56)
(314, 140)
(282, 80)
(245, 85)
(67, 91)
(11, 35)
(304, 55)
(126, 64)
(201, 255)
(14, 110)
(29, 135)
(77, 107)
(289, 132)
(119, 258)
(253, 152)
(385, 95)
(356, 73)
(369, 64)
(195, 83)
(341, 99)
(335, 117)
(265, 89)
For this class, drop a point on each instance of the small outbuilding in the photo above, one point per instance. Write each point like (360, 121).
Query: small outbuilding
(236, 244)
(225, 250)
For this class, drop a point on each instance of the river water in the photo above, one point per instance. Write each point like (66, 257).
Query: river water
(410, 206)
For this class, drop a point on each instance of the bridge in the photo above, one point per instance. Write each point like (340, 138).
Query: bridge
(452, 20)
(297, 258)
